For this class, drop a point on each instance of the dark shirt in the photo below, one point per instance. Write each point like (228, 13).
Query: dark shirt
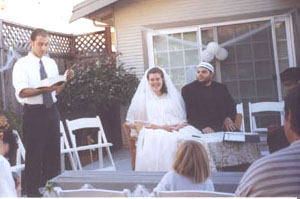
(208, 106)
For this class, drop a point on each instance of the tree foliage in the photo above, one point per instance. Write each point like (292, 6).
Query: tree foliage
(99, 82)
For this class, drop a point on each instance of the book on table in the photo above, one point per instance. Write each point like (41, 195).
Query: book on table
(241, 137)
(52, 81)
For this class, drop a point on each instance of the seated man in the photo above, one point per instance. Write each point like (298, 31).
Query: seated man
(209, 105)
(277, 175)
(276, 138)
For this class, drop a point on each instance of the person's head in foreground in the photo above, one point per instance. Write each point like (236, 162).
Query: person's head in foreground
(8, 142)
(205, 73)
(290, 78)
(192, 161)
(156, 81)
(292, 115)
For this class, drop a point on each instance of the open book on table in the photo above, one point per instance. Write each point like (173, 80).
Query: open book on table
(51, 81)
(241, 137)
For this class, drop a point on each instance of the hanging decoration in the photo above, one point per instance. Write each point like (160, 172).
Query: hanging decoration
(207, 56)
(213, 49)
(222, 54)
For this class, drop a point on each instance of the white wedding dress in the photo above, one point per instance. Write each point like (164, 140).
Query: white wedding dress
(156, 149)
(7, 183)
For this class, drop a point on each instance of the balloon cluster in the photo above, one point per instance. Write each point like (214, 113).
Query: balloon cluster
(213, 49)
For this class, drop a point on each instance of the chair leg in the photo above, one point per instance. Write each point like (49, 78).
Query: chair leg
(90, 140)
(91, 156)
(100, 154)
(78, 160)
(62, 162)
(110, 157)
(133, 153)
(71, 158)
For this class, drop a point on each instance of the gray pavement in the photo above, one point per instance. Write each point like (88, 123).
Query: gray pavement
(121, 159)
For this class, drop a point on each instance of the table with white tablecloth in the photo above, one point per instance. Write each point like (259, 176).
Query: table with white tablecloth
(225, 153)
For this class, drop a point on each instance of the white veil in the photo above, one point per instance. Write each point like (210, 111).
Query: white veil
(143, 108)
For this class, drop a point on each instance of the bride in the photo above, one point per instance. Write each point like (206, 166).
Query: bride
(159, 109)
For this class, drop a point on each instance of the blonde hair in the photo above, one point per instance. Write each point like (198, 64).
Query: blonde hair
(192, 161)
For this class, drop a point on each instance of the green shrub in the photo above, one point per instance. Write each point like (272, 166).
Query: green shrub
(99, 82)
(14, 120)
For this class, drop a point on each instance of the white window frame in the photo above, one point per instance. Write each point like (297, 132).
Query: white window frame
(287, 18)
(163, 32)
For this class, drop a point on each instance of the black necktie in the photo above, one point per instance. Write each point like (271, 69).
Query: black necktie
(47, 98)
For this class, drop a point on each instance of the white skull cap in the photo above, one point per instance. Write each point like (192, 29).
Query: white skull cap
(207, 66)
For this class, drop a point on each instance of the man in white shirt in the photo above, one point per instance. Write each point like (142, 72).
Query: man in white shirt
(41, 117)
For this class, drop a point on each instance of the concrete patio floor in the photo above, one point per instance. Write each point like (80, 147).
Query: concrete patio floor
(121, 159)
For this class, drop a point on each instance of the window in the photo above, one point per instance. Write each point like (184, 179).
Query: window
(249, 71)
(178, 54)
(257, 52)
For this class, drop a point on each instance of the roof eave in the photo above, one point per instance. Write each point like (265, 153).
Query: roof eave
(88, 8)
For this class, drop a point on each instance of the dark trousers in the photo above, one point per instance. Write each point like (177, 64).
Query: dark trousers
(42, 144)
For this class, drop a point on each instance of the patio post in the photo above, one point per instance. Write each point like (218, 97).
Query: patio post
(108, 40)
(3, 93)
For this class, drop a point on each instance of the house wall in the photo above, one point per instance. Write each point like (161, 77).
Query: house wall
(132, 15)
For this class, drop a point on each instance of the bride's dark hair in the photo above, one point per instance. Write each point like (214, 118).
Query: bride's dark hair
(157, 70)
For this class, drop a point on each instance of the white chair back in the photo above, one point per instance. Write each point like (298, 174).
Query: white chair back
(65, 148)
(240, 109)
(264, 107)
(83, 123)
(92, 193)
(193, 193)
(20, 156)
(21, 149)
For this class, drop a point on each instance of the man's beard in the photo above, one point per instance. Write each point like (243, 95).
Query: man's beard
(205, 83)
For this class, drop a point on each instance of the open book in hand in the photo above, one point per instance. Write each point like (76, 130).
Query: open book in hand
(52, 81)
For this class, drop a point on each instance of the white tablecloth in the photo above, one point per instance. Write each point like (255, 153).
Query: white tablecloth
(223, 154)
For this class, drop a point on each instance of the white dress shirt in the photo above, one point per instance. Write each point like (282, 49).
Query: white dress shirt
(26, 74)
(7, 183)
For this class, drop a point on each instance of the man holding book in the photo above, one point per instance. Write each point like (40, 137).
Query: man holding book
(41, 117)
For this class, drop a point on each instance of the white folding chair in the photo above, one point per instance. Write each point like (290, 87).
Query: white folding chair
(91, 193)
(21, 149)
(193, 193)
(20, 156)
(264, 107)
(83, 123)
(240, 110)
(65, 148)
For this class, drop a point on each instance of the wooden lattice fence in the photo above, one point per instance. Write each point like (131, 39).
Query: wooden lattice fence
(64, 48)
